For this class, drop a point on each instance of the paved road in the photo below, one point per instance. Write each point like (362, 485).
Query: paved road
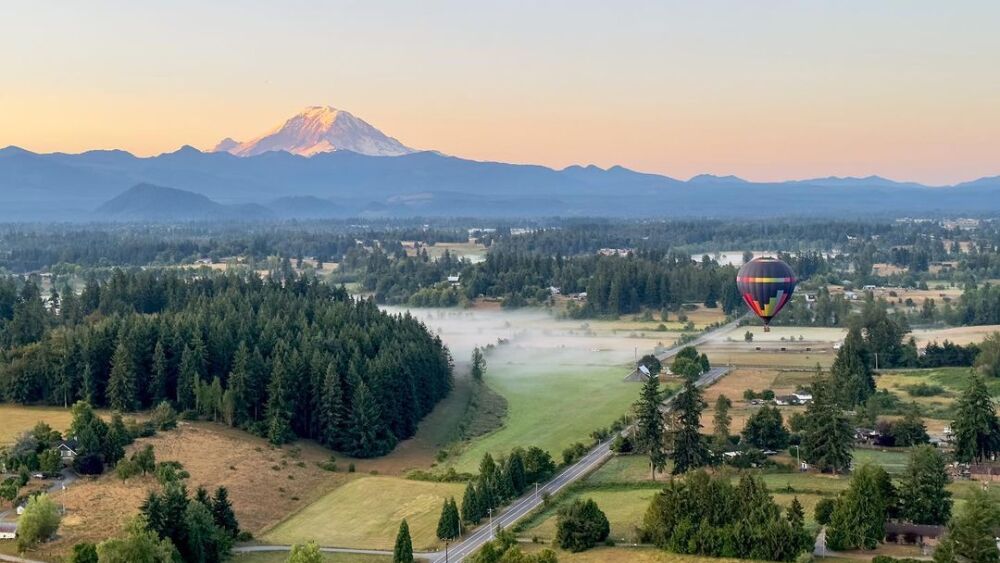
(714, 334)
(595, 458)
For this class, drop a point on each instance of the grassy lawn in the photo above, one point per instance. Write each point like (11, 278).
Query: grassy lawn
(282, 556)
(17, 419)
(804, 482)
(632, 555)
(893, 461)
(624, 508)
(627, 469)
(366, 513)
(551, 405)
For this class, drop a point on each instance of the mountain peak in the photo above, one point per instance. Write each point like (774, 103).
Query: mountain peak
(319, 129)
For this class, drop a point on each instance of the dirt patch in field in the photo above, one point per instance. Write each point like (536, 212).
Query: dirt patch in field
(265, 484)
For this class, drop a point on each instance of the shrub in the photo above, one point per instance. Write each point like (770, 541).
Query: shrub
(581, 526)
(38, 523)
(824, 510)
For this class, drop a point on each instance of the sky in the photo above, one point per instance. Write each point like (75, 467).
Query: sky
(766, 90)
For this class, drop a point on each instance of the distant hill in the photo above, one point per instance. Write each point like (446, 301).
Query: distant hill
(147, 202)
(343, 183)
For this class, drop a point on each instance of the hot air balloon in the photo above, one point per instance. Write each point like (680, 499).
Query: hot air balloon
(766, 284)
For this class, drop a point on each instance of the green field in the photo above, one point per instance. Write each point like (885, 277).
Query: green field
(366, 513)
(282, 556)
(893, 461)
(627, 469)
(624, 508)
(551, 405)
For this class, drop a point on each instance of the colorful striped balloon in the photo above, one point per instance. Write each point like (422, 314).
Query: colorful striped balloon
(766, 284)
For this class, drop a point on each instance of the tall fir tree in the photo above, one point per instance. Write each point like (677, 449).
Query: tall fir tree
(649, 425)
(369, 434)
(851, 372)
(976, 428)
(689, 446)
(721, 420)
(333, 410)
(279, 428)
(121, 392)
(403, 550)
(158, 385)
(470, 505)
(923, 489)
(828, 437)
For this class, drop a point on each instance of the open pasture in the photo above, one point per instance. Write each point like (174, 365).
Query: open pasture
(366, 513)
(15, 419)
(958, 335)
(470, 250)
(282, 557)
(733, 385)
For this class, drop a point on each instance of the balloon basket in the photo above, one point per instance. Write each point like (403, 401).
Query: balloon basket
(767, 328)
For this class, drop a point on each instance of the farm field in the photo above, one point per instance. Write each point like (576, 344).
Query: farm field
(624, 554)
(473, 251)
(782, 382)
(958, 335)
(552, 402)
(17, 419)
(282, 556)
(801, 347)
(366, 513)
(624, 509)
(265, 483)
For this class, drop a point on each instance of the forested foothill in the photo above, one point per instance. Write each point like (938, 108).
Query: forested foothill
(282, 357)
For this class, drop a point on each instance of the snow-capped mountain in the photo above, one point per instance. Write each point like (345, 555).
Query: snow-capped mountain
(319, 129)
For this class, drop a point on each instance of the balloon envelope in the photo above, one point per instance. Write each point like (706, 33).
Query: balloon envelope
(766, 284)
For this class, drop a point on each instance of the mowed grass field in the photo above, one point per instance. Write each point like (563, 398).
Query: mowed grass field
(15, 419)
(624, 509)
(551, 405)
(282, 556)
(366, 513)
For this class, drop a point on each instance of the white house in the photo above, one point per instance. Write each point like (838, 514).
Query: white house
(67, 450)
(454, 280)
(803, 397)
(8, 530)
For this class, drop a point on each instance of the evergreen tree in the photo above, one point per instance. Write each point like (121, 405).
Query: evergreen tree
(403, 551)
(239, 385)
(449, 525)
(223, 514)
(581, 525)
(649, 425)
(689, 447)
(331, 417)
(851, 372)
(923, 493)
(279, 428)
(765, 429)
(976, 428)
(159, 384)
(478, 364)
(121, 382)
(470, 505)
(188, 377)
(721, 420)
(971, 534)
(369, 435)
(828, 436)
(858, 520)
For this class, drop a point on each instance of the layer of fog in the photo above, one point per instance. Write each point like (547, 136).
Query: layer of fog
(535, 336)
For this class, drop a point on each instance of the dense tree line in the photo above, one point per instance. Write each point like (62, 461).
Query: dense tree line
(284, 357)
(704, 515)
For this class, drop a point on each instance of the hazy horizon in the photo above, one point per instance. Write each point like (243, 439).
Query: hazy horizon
(778, 91)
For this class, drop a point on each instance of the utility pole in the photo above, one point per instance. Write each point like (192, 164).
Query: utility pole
(536, 489)
(798, 460)
(491, 523)
(446, 551)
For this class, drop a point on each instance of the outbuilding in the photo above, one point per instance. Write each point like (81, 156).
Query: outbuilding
(8, 530)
